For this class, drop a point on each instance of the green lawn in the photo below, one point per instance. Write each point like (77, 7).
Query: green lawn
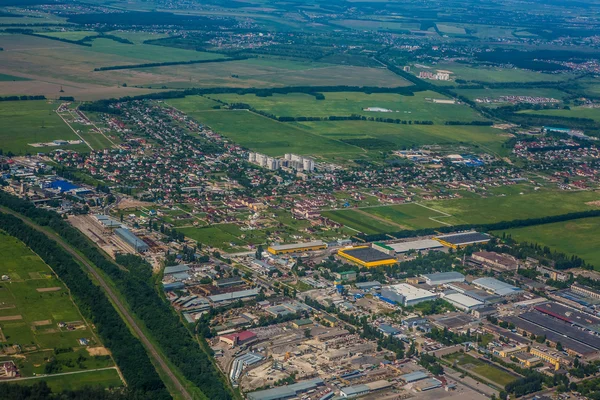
(480, 367)
(223, 236)
(574, 112)
(419, 107)
(263, 134)
(105, 378)
(577, 237)
(23, 122)
(514, 206)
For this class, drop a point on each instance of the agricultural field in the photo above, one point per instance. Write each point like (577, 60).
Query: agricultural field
(34, 305)
(483, 369)
(577, 237)
(8, 78)
(265, 135)
(574, 112)
(450, 29)
(511, 206)
(419, 107)
(23, 122)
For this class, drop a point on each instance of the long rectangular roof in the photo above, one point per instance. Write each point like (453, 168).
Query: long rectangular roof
(410, 292)
(462, 239)
(367, 254)
(285, 392)
(445, 276)
(415, 245)
(280, 247)
(233, 296)
(463, 300)
(496, 286)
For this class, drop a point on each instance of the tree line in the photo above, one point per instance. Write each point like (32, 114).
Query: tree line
(140, 292)
(23, 98)
(167, 63)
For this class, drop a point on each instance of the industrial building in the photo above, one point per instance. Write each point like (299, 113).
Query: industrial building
(415, 245)
(366, 256)
(442, 278)
(297, 247)
(463, 302)
(406, 295)
(360, 390)
(135, 243)
(286, 392)
(233, 296)
(495, 261)
(457, 240)
(497, 287)
(368, 285)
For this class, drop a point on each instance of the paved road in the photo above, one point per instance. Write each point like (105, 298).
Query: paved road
(59, 374)
(116, 301)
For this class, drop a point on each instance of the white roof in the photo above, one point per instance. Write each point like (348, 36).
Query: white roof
(411, 292)
(461, 299)
(296, 245)
(496, 286)
(415, 245)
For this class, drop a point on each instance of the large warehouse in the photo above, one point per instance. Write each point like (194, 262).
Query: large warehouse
(131, 240)
(495, 286)
(297, 247)
(458, 240)
(463, 302)
(366, 256)
(405, 294)
(415, 245)
(442, 278)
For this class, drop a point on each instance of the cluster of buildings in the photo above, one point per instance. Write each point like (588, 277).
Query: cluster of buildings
(289, 161)
(518, 99)
(438, 76)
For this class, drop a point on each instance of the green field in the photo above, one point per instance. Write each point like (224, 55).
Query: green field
(419, 107)
(149, 53)
(224, 236)
(263, 134)
(482, 368)
(108, 378)
(360, 221)
(451, 29)
(578, 237)
(514, 206)
(23, 122)
(409, 216)
(574, 112)
(33, 303)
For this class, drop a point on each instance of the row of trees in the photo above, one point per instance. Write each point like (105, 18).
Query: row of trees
(164, 324)
(22, 98)
(167, 63)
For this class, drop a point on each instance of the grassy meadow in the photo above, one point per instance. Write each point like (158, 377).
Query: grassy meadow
(419, 107)
(23, 122)
(578, 237)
